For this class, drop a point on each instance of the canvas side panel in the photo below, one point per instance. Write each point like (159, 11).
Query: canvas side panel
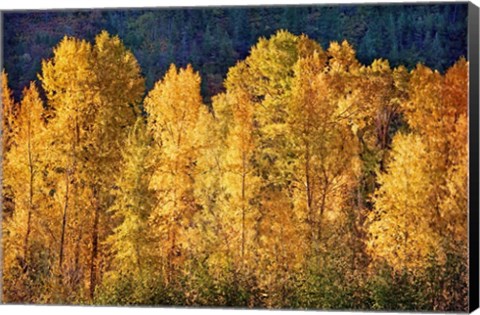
(473, 56)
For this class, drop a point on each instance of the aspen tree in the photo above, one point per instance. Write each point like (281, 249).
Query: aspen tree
(326, 165)
(431, 161)
(9, 109)
(265, 77)
(129, 244)
(119, 89)
(67, 82)
(238, 176)
(174, 108)
(94, 92)
(24, 179)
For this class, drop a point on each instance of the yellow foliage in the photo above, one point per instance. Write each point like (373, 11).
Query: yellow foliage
(307, 159)
(400, 226)
(421, 205)
(175, 117)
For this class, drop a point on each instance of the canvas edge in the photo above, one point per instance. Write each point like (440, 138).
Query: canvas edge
(1, 165)
(473, 57)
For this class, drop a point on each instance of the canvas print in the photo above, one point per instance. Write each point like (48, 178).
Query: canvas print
(300, 157)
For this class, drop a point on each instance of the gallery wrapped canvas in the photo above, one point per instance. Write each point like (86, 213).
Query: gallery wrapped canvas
(292, 157)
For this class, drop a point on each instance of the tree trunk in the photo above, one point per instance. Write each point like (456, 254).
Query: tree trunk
(309, 192)
(171, 253)
(27, 235)
(30, 197)
(64, 224)
(320, 216)
(243, 208)
(78, 270)
(93, 259)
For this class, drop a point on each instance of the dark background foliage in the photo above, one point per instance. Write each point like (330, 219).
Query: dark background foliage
(213, 39)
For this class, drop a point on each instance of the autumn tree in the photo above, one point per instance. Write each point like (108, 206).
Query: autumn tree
(259, 151)
(175, 112)
(239, 183)
(93, 92)
(9, 112)
(326, 148)
(421, 204)
(24, 177)
(436, 113)
(129, 246)
(9, 109)
(375, 116)
(120, 87)
(66, 79)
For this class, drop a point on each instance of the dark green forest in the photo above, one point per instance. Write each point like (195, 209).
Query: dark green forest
(212, 39)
